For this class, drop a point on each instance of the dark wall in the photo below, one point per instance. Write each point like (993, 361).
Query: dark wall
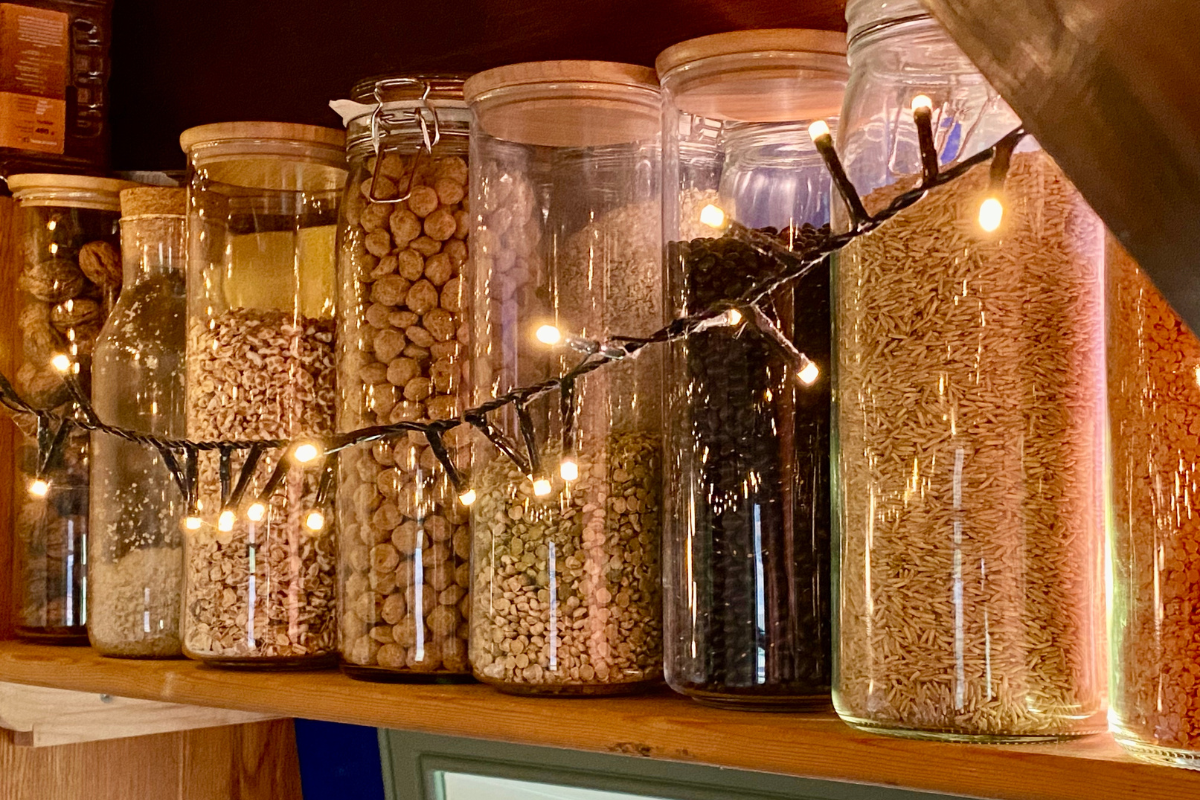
(177, 64)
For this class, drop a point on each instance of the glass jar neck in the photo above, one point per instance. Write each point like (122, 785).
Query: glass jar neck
(454, 127)
(911, 48)
(152, 244)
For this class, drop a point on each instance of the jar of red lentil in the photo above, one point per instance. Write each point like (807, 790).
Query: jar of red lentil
(969, 414)
(1154, 466)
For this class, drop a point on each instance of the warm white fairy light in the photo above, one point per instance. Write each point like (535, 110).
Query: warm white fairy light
(733, 317)
(568, 468)
(548, 334)
(61, 362)
(712, 216)
(307, 452)
(991, 214)
(39, 488)
(541, 487)
(922, 101)
(256, 512)
(808, 372)
(315, 520)
(468, 497)
(225, 521)
(818, 130)
(192, 523)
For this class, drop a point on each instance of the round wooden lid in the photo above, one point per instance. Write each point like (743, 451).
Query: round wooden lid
(546, 72)
(788, 40)
(262, 131)
(159, 200)
(71, 191)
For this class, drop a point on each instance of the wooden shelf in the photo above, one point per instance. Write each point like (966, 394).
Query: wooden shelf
(661, 726)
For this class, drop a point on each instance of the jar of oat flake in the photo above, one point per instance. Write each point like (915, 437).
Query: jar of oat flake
(404, 542)
(969, 415)
(262, 216)
(565, 205)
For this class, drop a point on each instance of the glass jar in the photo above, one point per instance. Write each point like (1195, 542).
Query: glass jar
(262, 220)
(135, 556)
(746, 548)
(54, 72)
(1154, 458)
(566, 212)
(71, 277)
(969, 413)
(404, 549)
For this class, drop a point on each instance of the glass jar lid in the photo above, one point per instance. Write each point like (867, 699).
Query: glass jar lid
(567, 103)
(422, 106)
(70, 191)
(268, 155)
(773, 75)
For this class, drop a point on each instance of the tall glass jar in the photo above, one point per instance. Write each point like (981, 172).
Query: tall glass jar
(262, 218)
(1154, 459)
(404, 543)
(135, 556)
(746, 548)
(566, 209)
(969, 413)
(70, 279)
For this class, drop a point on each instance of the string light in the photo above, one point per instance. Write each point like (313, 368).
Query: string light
(256, 511)
(468, 497)
(808, 372)
(541, 487)
(991, 214)
(225, 521)
(712, 216)
(192, 523)
(39, 487)
(61, 362)
(307, 452)
(315, 520)
(548, 334)
(568, 468)
(922, 101)
(818, 130)
(733, 317)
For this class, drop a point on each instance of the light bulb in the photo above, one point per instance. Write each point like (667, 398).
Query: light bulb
(818, 129)
(225, 521)
(192, 523)
(733, 316)
(548, 334)
(52, 224)
(922, 101)
(306, 452)
(39, 488)
(256, 512)
(467, 497)
(315, 520)
(53, 248)
(712, 216)
(541, 487)
(61, 362)
(991, 212)
(809, 372)
(568, 469)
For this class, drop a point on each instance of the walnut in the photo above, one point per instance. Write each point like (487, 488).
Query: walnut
(53, 280)
(101, 263)
(75, 313)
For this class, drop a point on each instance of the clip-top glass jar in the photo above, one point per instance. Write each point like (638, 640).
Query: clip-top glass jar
(969, 412)
(70, 279)
(566, 210)
(404, 543)
(262, 220)
(135, 557)
(1154, 460)
(746, 551)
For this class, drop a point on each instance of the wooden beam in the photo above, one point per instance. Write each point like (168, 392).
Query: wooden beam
(1111, 89)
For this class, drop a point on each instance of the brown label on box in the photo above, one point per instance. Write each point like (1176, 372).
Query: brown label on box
(33, 78)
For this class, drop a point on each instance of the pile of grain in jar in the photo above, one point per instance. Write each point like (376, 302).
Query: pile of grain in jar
(264, 589)
(970, 418)
(403, 338)
(143, 617)
(566, 592)
(1154, 408)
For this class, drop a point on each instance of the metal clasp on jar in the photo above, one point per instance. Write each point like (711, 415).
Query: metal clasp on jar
(384, 122)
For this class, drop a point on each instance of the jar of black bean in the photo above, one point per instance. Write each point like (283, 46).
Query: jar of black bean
(746, 519)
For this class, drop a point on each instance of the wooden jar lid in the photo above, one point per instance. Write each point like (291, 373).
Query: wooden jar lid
(548, 72)
(263, 131)
(71, 191)
(156, 200)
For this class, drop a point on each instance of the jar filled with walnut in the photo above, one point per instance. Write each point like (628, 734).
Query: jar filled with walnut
(404, 543)
(262, 219)
(70, 276)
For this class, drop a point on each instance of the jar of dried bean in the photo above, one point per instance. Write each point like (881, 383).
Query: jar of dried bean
(1154, 460)
(404, 542)
(969, 414)
(262, 219)
(746, 548)
(566, 237)
(70, 277)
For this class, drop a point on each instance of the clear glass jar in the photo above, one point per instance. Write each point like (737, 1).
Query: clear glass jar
(566, 210)
(746, 549)
(404, 544)
(135, 556)
(1154, 458)
(969, 416)
(262, 219)
(71, 277)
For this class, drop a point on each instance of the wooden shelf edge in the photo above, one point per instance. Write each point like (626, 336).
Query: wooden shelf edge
(662, 725)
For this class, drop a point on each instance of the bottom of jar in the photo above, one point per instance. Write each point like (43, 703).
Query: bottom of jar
(758, 702)
(1158, 754)
(887, 729)
(293, 663)
(569, 689)
(142, 655)
(74, 635)
(382, 675)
